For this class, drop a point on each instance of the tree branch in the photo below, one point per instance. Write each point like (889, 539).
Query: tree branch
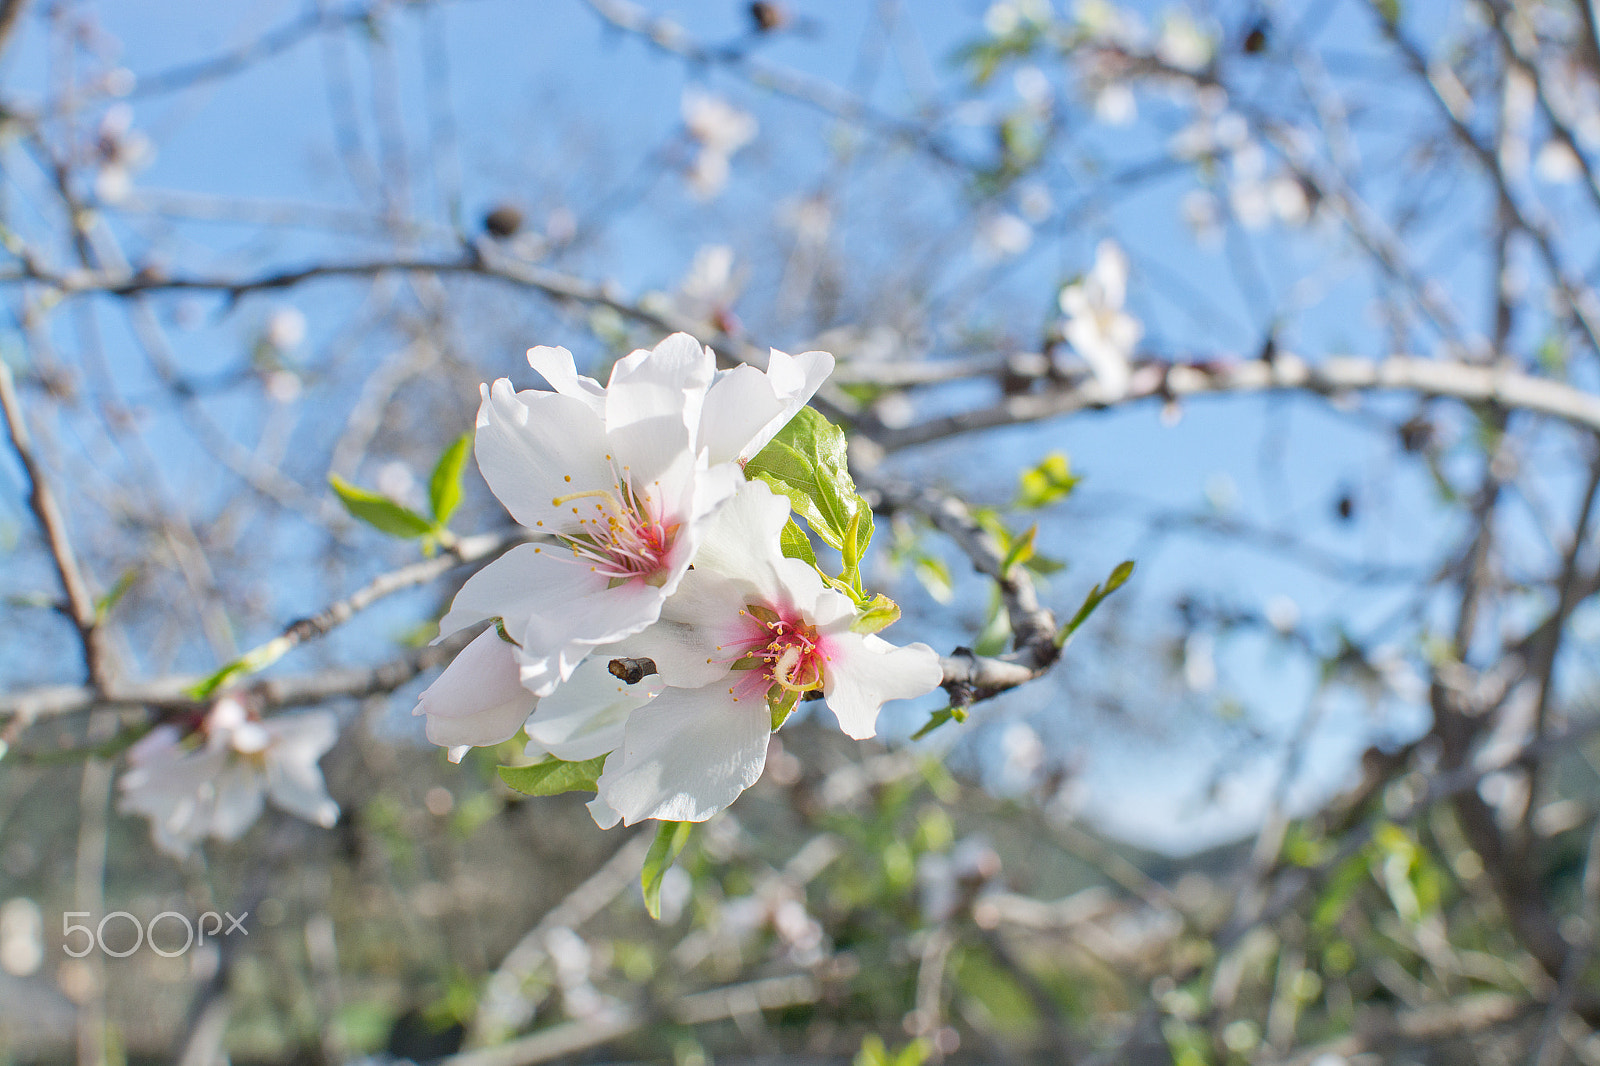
(1333, 375)
(42, 499)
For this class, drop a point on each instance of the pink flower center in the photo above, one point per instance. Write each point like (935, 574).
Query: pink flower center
(619, 533)
(781, 655)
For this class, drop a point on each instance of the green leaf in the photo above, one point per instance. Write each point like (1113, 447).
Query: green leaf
(939, 718)
(851, 574)
(1049, 482)
(795, 543)
(258, 658)
(379, 511)
(807, 462)
(1096, 596)
(669, 842)
(1021, 549)
(444, 487)
(1044, 565)
(554, 776)
(104, 604)
(878, 613)
(934, 575)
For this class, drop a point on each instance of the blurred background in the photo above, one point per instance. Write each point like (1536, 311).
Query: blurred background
(1291, 302)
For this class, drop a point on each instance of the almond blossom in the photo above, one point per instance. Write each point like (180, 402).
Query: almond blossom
(218, 787)
(748, 634)
(621, 477)
(1097, 327)
(610, 476)
(720, 129)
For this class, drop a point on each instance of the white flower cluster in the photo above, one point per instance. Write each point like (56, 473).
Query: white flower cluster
(654, 546)
(215, 780)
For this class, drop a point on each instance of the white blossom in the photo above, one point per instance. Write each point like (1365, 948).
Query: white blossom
(720, 130)
(1183, 42)
(748, 633)
(121, 151)
(653, 453)
(1097, 327)
(218, 787)
(608, 473)
(1002, 236)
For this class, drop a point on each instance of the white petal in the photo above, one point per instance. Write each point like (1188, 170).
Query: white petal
(238, 801)
(507, 588)
(535, 446)
(302, 737)
(745, 408)
(1110, 272)
(479, 699)
(604, 815)
(555, 365)
(738, 408)
(687, 755)
(666, 384)
(584, 717)
(161, 743)
(655, 449)
(297, 787)
(741, 541)
(575, 614)
(690, 642)
(865, 670)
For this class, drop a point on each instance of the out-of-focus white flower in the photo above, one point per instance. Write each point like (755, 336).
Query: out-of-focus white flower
(283, 386)
(1215, 129)
(1006, 17)
(286, 329)
(720, 130)
(1200, 662)
(1556, 163)
(1203, 213)
(1097, 327)
(1115, 104)
(1106, 23)
(1002, 236)
(1034, 87)
(219, 787)
(1183, 42)
(1283, 614)
(121, 151)
(573, 959)
(1021, 755)
(1034, 202)
(1289, 200)
(947, 881)
(396, 481)
(748, 633)
(21, 937)
(781, 908)
(708, 290)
